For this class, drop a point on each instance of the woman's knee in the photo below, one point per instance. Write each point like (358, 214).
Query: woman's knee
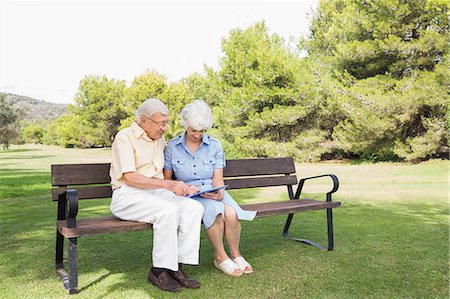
(230, 216)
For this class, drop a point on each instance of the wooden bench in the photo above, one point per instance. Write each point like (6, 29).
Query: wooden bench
(75, 182)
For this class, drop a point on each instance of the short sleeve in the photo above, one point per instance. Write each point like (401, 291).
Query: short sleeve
(219, 156)
(168, 157)
(123, 153)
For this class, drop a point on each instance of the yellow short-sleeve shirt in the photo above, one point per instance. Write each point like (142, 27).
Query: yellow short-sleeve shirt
(134, 151)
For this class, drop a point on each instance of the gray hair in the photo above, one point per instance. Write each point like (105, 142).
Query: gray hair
(150, 107)
(197, 115)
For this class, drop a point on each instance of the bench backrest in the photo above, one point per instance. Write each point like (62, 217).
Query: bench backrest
(92, 180)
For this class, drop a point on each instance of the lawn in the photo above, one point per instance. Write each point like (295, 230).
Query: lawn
(391, 237)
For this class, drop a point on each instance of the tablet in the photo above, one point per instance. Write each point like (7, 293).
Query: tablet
(209, 190)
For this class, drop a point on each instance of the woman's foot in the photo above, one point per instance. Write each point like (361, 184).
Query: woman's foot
(243, 265)
(229, 267)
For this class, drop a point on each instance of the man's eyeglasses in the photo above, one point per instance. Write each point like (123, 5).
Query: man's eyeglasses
(161, 124)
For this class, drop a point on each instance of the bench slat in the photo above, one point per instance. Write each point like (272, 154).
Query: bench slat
(291, 206)
(261, 181)
(95, 226)
(98, 173)
(80, 174)
(261, 166)
(92, 192)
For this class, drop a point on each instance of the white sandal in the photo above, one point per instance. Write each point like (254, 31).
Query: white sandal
(243, 264)
(229, 267)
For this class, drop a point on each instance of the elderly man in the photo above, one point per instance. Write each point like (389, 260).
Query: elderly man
(141, 194)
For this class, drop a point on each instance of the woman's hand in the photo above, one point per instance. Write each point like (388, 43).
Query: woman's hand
(216, 195)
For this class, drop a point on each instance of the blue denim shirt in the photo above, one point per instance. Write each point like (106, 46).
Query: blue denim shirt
(197, 169)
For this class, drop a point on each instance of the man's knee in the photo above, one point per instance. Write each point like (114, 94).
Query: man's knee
(197, 207)
(170, 210)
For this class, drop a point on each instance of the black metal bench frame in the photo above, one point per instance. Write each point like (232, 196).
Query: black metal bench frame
(74, 182)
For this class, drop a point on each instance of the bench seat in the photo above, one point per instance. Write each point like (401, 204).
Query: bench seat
(106, 225)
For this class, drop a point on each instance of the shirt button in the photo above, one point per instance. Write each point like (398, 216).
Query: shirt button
(195, 174)
(194, 165)
(203, 183)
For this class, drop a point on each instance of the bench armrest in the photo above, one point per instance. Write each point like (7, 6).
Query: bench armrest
(69, 212)
(302, 182)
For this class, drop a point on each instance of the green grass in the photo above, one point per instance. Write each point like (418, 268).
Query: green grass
(391, 237)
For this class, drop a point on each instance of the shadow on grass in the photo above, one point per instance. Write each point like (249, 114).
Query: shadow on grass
(18, 150)
(20, 157)
(23, 183)
(94, 283)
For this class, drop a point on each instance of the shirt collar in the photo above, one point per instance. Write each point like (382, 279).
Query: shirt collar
(138, 131)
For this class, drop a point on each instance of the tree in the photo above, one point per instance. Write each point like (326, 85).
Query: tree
(268, 102)
(369, 38)
(33, 133)
(9, 127)
(176, 96)
(390, 59)
(148, 85)
(99, 103)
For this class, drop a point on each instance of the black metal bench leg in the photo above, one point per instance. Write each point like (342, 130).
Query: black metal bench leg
(330, 229)
(59, 263)
(73, 266)
(59, 250)
(309, 242)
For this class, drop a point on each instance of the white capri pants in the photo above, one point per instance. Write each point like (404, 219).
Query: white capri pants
(176, 222)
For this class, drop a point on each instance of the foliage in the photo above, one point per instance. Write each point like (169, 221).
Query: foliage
(394, 118)
(268, 97)
(369, 38)
(145, 86)
(33, 133)
(99, 104)
(8, 122)
(391, 61)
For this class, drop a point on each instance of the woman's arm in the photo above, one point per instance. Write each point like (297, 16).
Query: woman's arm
(168, 174)
(217, 181)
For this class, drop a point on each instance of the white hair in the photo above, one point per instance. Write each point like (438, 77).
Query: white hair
(197, 115)
(150, 107)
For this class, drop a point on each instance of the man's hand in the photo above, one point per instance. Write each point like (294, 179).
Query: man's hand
(180, 188)
(193, 189)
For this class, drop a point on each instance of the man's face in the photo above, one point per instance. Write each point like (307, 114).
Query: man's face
(155, 126)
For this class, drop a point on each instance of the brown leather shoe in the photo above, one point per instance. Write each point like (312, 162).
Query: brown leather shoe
(185, 280)
(164, 281)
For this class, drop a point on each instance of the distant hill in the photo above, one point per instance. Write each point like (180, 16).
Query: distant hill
(36, 110)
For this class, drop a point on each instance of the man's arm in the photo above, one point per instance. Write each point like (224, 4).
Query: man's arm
(168, 175)
(134, 179)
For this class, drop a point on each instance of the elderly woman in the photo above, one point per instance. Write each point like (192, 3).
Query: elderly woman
(197, 159)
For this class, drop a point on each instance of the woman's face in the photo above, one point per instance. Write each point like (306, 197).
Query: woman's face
(194, 135)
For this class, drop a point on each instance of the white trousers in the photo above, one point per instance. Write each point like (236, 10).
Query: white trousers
(176, 222)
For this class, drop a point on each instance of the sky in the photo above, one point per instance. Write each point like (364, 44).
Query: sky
(47, 47)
